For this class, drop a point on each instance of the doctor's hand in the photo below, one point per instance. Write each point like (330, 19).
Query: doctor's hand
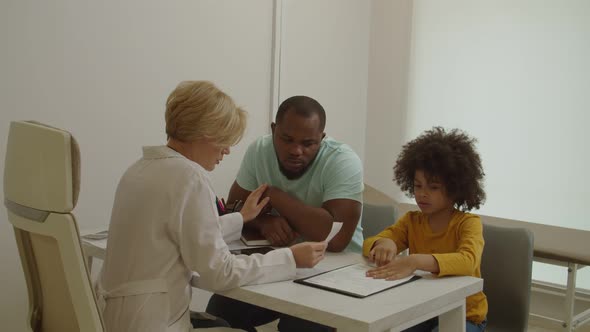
(308, 254)
(254, 204)
(277, 230)
(383, 252)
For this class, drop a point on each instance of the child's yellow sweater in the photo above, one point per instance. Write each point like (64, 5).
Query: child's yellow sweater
(457, 250)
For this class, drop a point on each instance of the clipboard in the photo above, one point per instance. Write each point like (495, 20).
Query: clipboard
(250, 251)
(350, 280)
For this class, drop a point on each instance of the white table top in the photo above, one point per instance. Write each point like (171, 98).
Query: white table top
(414, 301)
(377, 312)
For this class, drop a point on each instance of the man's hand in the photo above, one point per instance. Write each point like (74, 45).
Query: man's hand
(276, 229)
(383, 252)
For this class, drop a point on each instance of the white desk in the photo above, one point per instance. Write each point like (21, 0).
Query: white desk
(93, 248)
(394, 309)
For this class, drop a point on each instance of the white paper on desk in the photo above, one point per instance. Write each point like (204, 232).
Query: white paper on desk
(102, 243)
(336, 226)
(353, 279)
(96, 235)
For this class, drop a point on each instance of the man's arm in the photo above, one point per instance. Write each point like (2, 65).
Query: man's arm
(237, 193)
(315, 223)
(276, 229)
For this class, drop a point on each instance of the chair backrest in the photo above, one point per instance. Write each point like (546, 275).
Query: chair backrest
(376, 218)
(41, 185)
(506, 269)
(378, 211)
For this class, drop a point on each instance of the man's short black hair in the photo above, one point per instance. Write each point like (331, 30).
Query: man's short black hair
(303, 106)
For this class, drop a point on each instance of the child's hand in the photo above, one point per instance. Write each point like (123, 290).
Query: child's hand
(254, 204)
(383, 252)
(396, 269)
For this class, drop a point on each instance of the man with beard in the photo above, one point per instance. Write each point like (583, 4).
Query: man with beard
(313, 181)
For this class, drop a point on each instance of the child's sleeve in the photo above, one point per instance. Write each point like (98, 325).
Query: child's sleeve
(467, 258)
(397, 232)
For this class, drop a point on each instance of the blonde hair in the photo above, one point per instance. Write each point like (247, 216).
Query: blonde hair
(199, 110)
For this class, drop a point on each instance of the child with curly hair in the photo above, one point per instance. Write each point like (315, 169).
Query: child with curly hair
(443, 171)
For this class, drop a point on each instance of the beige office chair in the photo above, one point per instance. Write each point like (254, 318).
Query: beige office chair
(41, 185)
(506, 268)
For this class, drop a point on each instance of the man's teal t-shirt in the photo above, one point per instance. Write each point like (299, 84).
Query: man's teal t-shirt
(336, 173)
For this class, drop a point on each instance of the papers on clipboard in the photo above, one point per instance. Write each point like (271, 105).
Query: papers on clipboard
(352, 281)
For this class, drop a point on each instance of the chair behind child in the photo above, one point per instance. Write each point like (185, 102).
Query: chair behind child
(378, 211)
(376, 218)
(506, 267)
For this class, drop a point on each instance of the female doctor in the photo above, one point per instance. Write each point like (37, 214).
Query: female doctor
(165, 233)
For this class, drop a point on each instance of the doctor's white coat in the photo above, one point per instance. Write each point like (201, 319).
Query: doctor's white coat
(164, 225)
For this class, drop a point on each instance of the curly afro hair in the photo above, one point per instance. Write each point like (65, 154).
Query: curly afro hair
(449, 157)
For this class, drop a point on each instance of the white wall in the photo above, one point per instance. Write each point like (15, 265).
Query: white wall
(324, 55)
(514, 74)
(387, 91)
(103, 70)
(511, 73)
